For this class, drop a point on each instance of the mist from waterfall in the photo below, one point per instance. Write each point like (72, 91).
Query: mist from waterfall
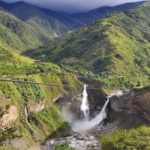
(85, 104)
(86, 125)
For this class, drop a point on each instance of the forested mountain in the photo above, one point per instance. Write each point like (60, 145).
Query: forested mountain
(117, 46)
(37, 18)
(60, 22)
(30, 29)
(24, 26)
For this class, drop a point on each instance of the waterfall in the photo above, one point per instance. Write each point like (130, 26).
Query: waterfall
(85, 105)
(26, 112)
(85, 125)
(102, 114)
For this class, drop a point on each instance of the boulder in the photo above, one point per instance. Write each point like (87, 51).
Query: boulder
(9, 117)
(119, 56)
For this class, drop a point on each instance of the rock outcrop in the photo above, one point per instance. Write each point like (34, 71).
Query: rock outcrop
(9, 117)
(97, 99)
(133, 107)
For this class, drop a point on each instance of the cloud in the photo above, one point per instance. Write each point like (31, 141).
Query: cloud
(73, 5)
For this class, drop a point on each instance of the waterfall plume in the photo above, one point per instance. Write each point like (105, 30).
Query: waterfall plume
(85, 104)
(86, 124)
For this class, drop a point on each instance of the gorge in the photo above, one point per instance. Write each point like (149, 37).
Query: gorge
(82, 128)
(69, 86)
(83, 134)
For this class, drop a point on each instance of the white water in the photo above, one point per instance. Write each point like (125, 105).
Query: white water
(26, 112)
(86, 125)
(85, 104)
(116, 93)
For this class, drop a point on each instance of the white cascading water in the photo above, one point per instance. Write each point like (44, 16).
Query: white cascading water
(102, 114)
(85, 125)
(85, 104)
(26, 112)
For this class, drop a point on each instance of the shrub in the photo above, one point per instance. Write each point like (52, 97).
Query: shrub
(133, 139)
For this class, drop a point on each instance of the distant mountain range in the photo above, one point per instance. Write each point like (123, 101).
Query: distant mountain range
(25, 11)
(97, 14)
(24, 26)
(86, 18)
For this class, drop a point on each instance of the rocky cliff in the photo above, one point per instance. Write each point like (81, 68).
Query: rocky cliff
(132, 108)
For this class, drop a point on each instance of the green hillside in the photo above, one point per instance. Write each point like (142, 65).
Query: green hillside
(117, 48)
(40, 20)
(43, 117)
(136, 138)
(26, 33)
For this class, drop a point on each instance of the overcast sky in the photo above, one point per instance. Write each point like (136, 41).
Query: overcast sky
(73, 5)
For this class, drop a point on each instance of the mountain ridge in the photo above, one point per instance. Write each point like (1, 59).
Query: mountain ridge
(110, 47)
(75, 20)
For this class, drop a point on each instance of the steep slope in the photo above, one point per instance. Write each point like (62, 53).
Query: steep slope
(18, 34)
(27, 116)
(30, 29)
(36, 17)
(116, 47)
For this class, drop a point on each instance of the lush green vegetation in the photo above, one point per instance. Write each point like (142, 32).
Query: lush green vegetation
(117, 48)
(17, 34)
(27, 29)
(133, 139)
(41, 125)
(41, 122)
